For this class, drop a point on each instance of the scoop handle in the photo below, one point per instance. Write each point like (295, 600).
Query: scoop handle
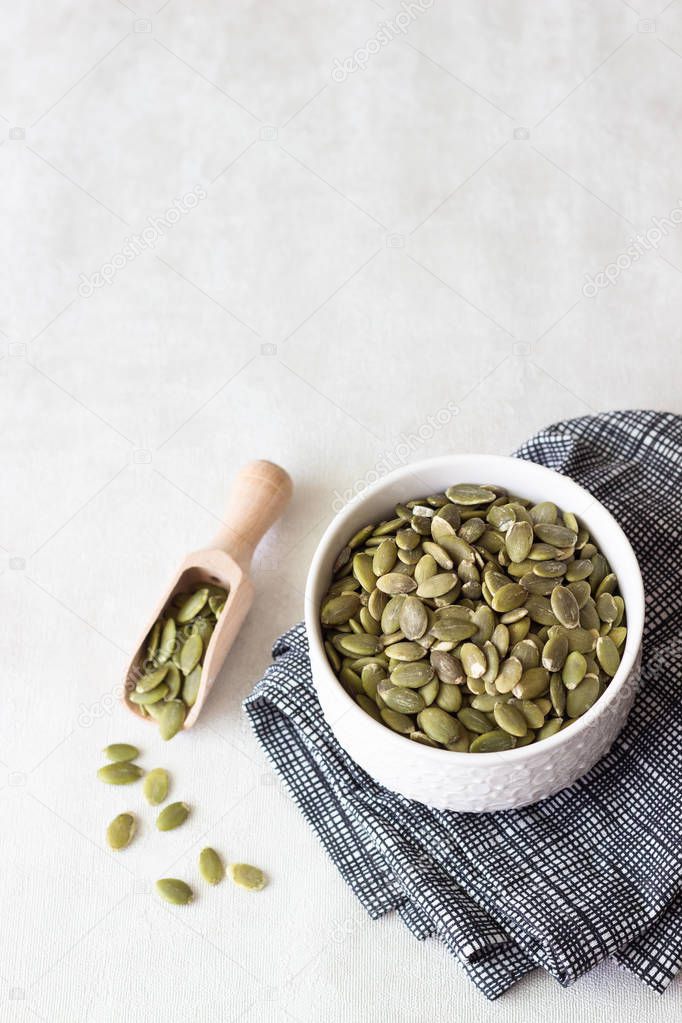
(259, 495)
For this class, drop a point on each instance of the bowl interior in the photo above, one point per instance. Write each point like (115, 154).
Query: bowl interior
(525, 479)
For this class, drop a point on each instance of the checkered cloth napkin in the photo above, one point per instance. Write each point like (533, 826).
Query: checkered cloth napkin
(591, 872)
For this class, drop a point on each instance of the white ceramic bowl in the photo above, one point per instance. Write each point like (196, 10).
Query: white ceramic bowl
(485, 781)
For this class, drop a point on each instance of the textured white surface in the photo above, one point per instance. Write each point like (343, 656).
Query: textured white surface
(413, 239)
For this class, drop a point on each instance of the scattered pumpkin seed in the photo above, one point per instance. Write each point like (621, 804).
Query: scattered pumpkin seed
(251, 878)
(211, 866)
(155, 786)
(121, 830)
(118, 752)
(172, 816)
(120, 773)
(175, 891)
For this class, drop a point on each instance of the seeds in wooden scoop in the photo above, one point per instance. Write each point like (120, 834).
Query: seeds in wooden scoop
(473, 620)
(176, 650)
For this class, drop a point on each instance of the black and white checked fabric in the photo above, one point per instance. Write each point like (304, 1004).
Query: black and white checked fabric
(594, 871)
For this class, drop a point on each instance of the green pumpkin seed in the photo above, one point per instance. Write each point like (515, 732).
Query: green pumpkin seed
(251, 878)
(555, 652)
(448, 668)
(436, 585)
(117, 752)
(120, 773)
(556, 536)
(510, 719)
(518, 541)
(557, 695)
(358, 645)
(167, 642)
(396, 583)
(152, 680)
(191, 652)
(172, 816)
(449, 698)
(412, 675)
(153, 696)
(473, 660)
(565, 607)
(190, 686)
(574, 669)
(121, 830)
(469, 494)
(173, 682)
(534, 682)
(607, 655)
(384, 558)
(155, 786)
(474, 720)
(495, 741)
(580, 699)
(438, 724)
(549, 728)
(396, 721)
(192, 606)
(509, 675)
(414, 618)
(153, 641)
(211, 866)
(175, 891)
(171, 718)
(509, 597)
(402, 699)
(338, 610)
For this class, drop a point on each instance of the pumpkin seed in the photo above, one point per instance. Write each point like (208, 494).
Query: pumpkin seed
(396, 582)
(510, 719)
(117, 752)
(192, 606)
(565, 607)
(211, 866)
(469, 494)
(172, 816)
(473, 660)
(251, 878)
(396, 721)
(120, 773)
(190, 686)
(414, 618)
(438, 724)
(519, 540)
(412, 675)
(607, 655)
(403, 699)
(155, 786)
(167, 641)
(171, 718)
(338, 610)
(581, 698)
(495, 741)
(121, 830)
(175, 891)
(152, 680)
(449, 698)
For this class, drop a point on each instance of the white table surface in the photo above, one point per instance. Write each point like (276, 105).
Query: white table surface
(369, 253)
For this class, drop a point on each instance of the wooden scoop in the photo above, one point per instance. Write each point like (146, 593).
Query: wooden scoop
(259, 495)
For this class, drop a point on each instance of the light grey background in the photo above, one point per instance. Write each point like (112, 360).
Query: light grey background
(383, 268)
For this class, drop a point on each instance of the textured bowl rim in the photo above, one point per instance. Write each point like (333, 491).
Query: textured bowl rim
(457, 464)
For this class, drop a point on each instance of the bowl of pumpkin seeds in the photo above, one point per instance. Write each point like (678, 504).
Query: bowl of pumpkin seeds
(475, 645)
